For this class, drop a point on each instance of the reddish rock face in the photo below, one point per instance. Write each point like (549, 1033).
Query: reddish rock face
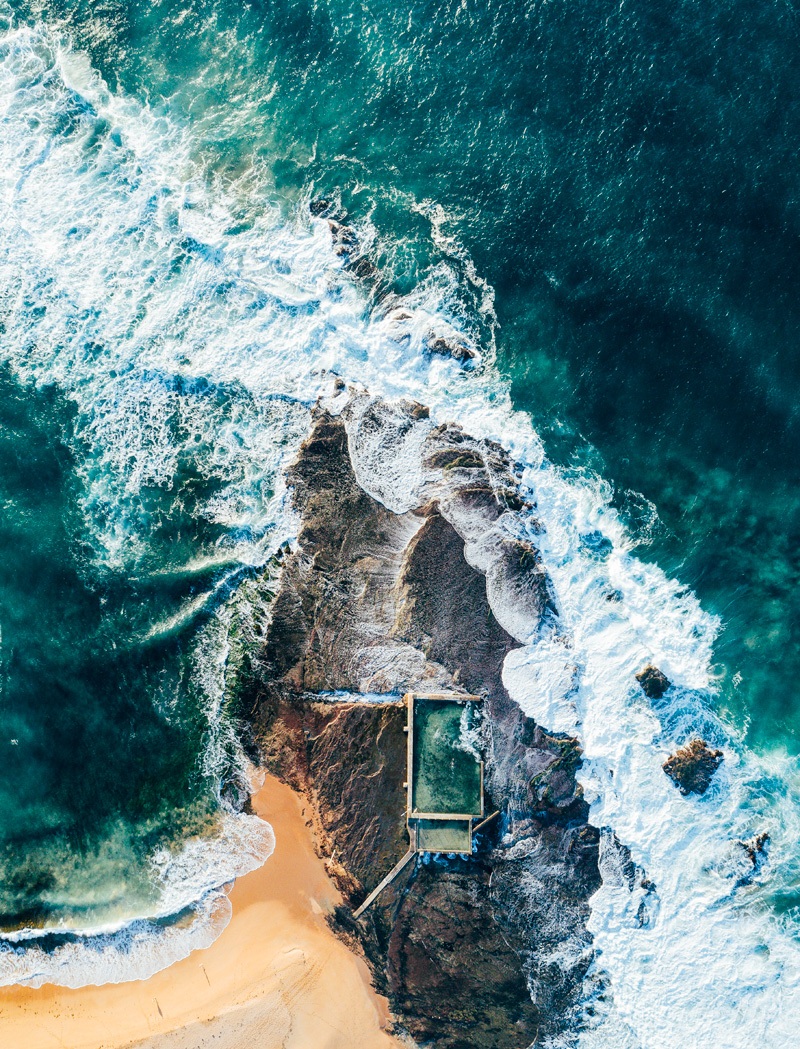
(692, 766)
(485, 951)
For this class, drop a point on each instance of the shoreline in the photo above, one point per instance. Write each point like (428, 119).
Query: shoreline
(276, 976)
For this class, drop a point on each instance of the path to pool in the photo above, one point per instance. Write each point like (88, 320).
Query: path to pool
(444, 778)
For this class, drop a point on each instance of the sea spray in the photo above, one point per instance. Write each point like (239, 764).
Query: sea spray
(704, 940)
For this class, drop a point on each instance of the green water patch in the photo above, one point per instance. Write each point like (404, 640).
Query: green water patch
(102, 732)
(444, 836)
(446, 771)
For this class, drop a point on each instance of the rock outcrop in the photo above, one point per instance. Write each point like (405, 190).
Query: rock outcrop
(653, 683)
(693, 766)
(412, 572)
(455, 348)
(755, 848)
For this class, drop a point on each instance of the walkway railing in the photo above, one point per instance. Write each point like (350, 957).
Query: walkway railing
(382, 884)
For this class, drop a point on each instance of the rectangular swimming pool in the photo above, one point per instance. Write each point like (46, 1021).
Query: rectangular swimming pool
(446, 773)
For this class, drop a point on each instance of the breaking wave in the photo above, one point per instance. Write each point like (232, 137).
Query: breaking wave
(186, 335)
(192, 911)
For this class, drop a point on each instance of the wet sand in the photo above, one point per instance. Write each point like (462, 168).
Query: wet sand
(276, 977)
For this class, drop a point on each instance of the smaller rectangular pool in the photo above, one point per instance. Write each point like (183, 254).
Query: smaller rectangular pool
(444, 836)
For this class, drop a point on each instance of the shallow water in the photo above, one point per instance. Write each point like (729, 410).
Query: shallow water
(603, 200)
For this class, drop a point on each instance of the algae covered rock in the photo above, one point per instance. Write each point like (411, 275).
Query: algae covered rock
(692, 766)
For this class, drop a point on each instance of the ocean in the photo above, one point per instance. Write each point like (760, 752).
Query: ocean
(602, 200)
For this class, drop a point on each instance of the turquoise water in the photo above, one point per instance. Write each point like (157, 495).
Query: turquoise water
(632, 210)
(86, 758)
(602, 197)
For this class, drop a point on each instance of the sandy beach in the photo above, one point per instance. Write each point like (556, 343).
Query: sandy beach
(276, 977)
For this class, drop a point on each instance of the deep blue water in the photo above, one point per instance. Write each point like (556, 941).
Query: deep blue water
(623, 176)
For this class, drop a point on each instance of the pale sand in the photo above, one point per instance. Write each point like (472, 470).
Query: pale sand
(277, 977)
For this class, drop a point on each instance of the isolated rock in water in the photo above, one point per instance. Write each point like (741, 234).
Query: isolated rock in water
(345, 238)
(363, 268)
(744, 859)
(692, 766)
(654, 683)
(459, 351)
(755, 848)
(321, 205)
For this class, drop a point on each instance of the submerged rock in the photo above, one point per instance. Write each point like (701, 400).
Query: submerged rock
(363, 268)
(755, 848)
(654, 684)
(321, 206)
(692, 766)
(345, 238)
(597, 544)
(619, 869)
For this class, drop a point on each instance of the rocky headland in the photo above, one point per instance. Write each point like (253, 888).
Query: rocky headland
(410, 573)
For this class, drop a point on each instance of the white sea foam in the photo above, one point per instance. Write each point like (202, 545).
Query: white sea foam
(123, 284)
(189, 912)
(471, 737)
(135, 952)
(370, 698)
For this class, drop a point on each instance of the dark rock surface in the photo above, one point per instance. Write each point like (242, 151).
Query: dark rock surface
(346, 241)
(454, 348)
(492, 1006)
(693, 766)
(421, 581)
(654, 683)
(322, 206)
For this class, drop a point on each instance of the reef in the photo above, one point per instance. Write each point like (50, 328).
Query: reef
(693, 766)
(411, 572)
